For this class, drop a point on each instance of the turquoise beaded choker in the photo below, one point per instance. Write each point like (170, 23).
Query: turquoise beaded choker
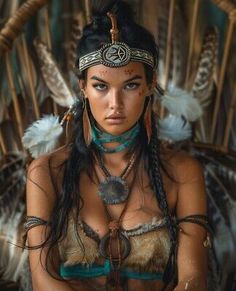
(125, 140)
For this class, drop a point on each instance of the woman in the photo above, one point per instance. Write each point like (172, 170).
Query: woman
(113, 211)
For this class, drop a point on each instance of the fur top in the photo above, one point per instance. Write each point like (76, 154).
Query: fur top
(150, 245)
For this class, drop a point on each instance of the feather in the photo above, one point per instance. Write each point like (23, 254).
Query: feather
(39, 85)
(179, 44)
(12, 210)
(62, 94)
(222, 208)
(203, 84)
(174, 129)
(204, 79)
(77, 29)
(42, 136)
(181, 103)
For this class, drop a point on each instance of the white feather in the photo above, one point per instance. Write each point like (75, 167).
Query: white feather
(181, 103)
(174, 128)
(42, 136)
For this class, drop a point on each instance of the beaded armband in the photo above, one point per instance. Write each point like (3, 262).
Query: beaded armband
(200, 220)
(32, 221)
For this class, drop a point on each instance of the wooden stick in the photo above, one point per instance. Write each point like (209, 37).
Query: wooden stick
(47, 28)
(12, 88)
(29, 70)
(15, 24)
(2, 143)
(221, 78)
(169, 49)
(88, 10)
(192, 38)
(230, 116)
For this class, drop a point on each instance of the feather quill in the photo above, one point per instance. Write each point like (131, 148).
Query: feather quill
(173, 129)
(181, 103)
(62, 94)
(42, 136)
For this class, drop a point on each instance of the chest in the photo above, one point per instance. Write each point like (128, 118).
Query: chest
(141, 207)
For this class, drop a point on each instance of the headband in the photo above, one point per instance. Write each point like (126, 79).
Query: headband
(115, 54)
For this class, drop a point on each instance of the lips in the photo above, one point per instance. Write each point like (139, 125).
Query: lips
(115, 119)
(115, 116)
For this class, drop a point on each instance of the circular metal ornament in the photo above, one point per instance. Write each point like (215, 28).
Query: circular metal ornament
(115, 54)
(104, 245)
(113, 190)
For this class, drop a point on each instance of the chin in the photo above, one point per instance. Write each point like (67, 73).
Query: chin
(117, 130)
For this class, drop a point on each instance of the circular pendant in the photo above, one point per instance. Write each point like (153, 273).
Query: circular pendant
(125, 246)
(113, 190)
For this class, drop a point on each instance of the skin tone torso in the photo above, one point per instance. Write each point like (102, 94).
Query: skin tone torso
(116, 101)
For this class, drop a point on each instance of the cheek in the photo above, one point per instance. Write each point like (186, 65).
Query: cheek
(136, 108)
(141, 92)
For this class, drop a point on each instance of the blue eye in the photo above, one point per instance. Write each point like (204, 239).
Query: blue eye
(132, 86)
(100, 86)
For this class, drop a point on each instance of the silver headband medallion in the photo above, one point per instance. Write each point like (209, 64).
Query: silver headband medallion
(116, 54)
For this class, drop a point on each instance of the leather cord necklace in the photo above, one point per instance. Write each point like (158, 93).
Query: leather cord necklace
(115, 245)
(114, 189)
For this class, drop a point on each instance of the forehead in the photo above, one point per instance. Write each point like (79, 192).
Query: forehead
(121, 73)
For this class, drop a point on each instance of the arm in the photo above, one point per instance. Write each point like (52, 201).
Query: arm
(40, 202)
(192, 255)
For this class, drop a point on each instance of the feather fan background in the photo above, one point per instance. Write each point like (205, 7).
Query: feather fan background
(42, 61)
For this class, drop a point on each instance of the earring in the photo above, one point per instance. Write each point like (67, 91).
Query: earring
(147, 119)
(86, 124)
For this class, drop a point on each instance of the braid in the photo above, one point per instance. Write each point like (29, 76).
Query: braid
(155, 175)
(77, 161)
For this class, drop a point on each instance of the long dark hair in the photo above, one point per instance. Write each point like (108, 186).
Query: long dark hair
(80, 158)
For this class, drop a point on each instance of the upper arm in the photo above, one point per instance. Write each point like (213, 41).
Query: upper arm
(40, 195)
(192, 255)
(40, 192)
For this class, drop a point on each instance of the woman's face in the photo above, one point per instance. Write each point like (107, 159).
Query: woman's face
(116, 95)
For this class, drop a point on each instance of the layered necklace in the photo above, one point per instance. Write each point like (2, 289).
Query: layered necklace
(115, 245)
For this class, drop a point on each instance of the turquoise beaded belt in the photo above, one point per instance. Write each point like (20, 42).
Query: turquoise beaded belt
(95, 270)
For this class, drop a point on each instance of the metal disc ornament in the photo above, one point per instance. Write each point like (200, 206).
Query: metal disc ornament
(115, 54)
(113, 190)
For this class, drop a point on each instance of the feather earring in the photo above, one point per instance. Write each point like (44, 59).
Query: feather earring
(86, 125)
(147, 119)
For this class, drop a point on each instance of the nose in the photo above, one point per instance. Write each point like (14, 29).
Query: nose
(115, 100)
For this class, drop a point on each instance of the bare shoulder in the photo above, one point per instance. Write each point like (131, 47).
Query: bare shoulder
(49, 162)
(44, 180)
(188, 173)
(183, 166)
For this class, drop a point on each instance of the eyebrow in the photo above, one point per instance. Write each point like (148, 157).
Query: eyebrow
(126, 81)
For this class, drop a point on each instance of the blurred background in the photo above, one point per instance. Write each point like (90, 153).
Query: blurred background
(197, 41)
